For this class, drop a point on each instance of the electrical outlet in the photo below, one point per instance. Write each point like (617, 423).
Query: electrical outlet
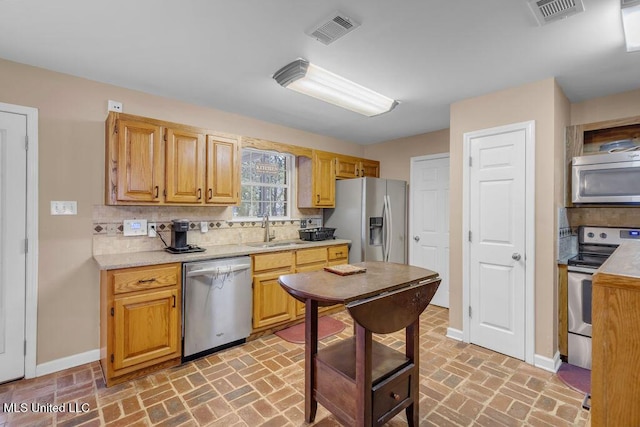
(204, 226)
(151, 229)
(303, 223)
(114, 106)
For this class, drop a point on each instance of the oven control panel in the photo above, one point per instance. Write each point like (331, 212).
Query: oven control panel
(607, 235)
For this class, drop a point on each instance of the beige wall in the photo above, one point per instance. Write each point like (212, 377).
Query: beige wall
(535, 101)
(395, 155)
(71, 156)
(619, 106)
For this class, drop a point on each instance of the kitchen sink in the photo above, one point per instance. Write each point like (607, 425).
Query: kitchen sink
(274, 244)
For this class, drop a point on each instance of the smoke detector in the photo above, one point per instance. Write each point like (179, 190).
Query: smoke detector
(332, 28)
(547, 11)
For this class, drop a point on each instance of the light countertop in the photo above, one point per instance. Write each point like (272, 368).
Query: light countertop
(625, 261)
(136, 259)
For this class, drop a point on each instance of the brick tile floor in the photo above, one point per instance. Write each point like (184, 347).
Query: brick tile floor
(261, 383)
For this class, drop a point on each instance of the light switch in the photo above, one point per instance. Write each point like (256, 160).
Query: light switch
(64, 208)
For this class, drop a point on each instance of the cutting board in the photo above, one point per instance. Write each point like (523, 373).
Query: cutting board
(345, 269)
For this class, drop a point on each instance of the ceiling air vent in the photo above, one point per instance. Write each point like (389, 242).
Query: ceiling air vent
(332, 28)
(547, 11)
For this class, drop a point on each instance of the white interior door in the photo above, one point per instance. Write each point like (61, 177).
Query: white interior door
(13, 203)
(429, 219)
(497, 195)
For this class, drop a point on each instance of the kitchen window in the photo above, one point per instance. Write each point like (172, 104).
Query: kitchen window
(265, 185)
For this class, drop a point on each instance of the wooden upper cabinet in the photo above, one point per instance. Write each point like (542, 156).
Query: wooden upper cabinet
(185, 166)
(135, 162)
(347, 167)
(324, 176)
(353, 167)
(152, 162)
(223, 170)
(370, 168)
(316, 180)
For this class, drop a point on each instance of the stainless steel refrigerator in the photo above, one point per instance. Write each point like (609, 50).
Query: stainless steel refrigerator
(371, 212)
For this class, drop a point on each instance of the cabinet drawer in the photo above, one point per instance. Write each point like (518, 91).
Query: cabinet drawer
(272, 261)
(309, 256)
(138, 279)
(338, 252)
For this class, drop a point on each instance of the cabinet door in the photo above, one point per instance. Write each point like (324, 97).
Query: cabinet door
(271, 303)
(140, 173)
(324, 176)
(146, 327)
(185, 166)
(223, 178)
(370, 168)
(347, 167)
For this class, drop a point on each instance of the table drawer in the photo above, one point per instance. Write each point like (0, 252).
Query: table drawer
(143, 278)
(272, 261)
(393, 392)
(309, 256)
(338, 252)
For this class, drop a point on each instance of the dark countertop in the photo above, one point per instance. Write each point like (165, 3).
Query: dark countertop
(332, 288)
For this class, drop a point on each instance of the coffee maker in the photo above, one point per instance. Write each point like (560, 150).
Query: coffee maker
(179, 229)
(179, 245)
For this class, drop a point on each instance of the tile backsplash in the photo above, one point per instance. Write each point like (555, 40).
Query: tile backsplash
(108, 237)
(567, 240)
(604, 216)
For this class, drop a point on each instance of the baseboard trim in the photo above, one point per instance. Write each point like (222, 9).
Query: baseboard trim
(67, 362)
(551, 365)
(455, 334)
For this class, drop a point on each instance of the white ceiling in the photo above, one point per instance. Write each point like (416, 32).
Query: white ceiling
(222, 53)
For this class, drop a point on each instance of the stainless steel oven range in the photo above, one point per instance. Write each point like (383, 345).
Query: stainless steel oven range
(595, 244)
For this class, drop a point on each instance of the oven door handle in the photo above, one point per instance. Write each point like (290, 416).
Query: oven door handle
(578, 269)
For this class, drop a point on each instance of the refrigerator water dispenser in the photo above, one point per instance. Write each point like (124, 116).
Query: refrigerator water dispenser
(375, 231)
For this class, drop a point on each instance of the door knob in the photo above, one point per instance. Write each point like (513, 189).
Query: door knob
(416, 238)
(516, 256)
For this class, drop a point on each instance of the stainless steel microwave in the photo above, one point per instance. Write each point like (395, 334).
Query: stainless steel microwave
(610, 178)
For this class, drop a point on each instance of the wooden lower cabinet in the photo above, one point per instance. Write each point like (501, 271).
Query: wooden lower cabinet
(272, 306)
(563, 308)
(615, 377)
(140, 318)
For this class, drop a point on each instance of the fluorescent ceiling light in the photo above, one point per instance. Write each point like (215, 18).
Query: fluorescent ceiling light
(319, 83)
(631, 24)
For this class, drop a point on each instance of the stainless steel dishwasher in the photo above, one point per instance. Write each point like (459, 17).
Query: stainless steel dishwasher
(217, 305)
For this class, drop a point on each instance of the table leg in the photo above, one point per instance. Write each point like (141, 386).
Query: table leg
(412, 351)
(310, 351)
(363, 376)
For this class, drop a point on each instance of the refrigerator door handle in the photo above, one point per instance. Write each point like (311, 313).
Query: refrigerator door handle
(385, 241)
(390, 227)
(384, 228)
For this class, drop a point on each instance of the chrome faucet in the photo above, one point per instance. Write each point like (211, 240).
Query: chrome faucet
(265, 225)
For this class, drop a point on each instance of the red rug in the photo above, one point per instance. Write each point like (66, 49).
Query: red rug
(327, 326)
(575, 377)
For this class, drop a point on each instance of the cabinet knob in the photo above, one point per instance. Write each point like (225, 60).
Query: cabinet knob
(416, 238)
(317, 198)
(395, 396)
(210, 193)
(157, 192)
(357, 172)
(516, 256)
(199, 193)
